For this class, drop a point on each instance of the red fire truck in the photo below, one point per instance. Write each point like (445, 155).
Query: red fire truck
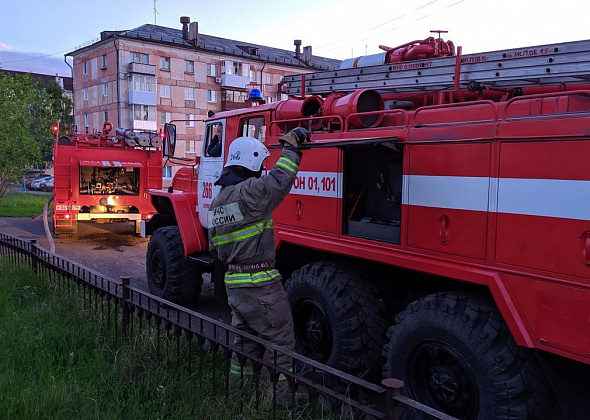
(104, 177)
(438, 230)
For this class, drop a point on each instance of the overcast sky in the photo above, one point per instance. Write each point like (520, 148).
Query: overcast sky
(35, 34)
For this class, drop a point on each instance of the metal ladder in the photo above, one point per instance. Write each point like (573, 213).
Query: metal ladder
(551, 64)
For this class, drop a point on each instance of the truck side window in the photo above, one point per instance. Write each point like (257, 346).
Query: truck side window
(214, 140)
(254, 127)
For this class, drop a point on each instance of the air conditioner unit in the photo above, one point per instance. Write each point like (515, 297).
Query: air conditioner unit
(218, 80)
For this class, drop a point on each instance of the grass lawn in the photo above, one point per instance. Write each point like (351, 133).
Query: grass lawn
(23, 204)
(59, 361)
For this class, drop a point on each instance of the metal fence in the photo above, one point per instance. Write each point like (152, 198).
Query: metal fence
(127, 310)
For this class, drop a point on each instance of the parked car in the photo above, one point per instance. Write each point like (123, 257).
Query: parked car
(36, 182)
(29, 181)
(47, 185)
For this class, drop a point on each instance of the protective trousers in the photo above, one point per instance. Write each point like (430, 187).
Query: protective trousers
(262, 311)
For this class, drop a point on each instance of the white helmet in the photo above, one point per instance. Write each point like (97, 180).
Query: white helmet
(247, 152)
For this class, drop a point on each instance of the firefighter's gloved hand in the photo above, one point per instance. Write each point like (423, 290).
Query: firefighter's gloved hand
(295, 137)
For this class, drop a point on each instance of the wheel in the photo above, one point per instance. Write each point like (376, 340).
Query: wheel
(337, 318)
(170, 275)
(455, 354)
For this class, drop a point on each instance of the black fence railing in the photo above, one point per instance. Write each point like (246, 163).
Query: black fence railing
(127, 309)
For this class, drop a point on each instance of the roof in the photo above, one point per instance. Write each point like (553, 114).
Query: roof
(68, 84)
(171, 36)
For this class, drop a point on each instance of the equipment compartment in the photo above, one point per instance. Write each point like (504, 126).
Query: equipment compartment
(373, 192)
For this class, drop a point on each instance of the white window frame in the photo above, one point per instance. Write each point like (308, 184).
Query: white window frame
(212, 96)
(190, 117)
(269, 78)
(85, 93)
(105, 89)
(211, 69)
(85, 120)
(142, 58)
(191, 146)
(167, 172)
(165, 117)
(105, 115)
(138, 112)
(255, 75)
(104, 61)
(85, 67)
(189, 93)
(189, 66)
(144, 83)
(165, 91)
(165, 63)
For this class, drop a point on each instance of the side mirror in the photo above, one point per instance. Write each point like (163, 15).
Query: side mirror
(170, 140)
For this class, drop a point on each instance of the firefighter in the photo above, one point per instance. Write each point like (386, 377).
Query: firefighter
(241, 236)
(214, 149)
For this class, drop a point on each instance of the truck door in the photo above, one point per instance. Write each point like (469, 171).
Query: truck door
(212, 158)
(544, 206)
(446, 193)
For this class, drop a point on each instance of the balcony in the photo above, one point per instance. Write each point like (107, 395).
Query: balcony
(141, 97)
(145, 125)
(229, 105)
(142, 68)
(234, 81)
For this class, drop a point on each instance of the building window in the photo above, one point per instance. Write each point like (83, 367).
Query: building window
(189, 94)
(191, 118)
(85, 91)
(165, 91)
(237, 68)
(105, 116)
(167, 172)
(190, 146)
(144, 83)
(165, 117)
(189, 66)
(104, 62)
(211, 96)
(211, 70)
(269, 78)
(268, 99)
(255, 76)
(85, 120)
(143, 112)
(85, 67)
(165, 63)
(105, 89)
(233, 96)
(140, 58)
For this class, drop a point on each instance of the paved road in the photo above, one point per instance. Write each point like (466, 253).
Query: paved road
(112, 249)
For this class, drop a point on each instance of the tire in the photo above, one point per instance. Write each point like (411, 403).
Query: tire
(170, 275)
(337, 318)
(455, 354)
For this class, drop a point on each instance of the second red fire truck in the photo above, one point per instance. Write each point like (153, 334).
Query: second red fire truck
(105, 177)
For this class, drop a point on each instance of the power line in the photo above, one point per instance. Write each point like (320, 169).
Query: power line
(397, 18)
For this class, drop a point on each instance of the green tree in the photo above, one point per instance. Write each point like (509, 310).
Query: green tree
(26, 115)
(61, 107)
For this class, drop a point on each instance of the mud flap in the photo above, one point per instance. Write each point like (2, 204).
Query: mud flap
(569, 380)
